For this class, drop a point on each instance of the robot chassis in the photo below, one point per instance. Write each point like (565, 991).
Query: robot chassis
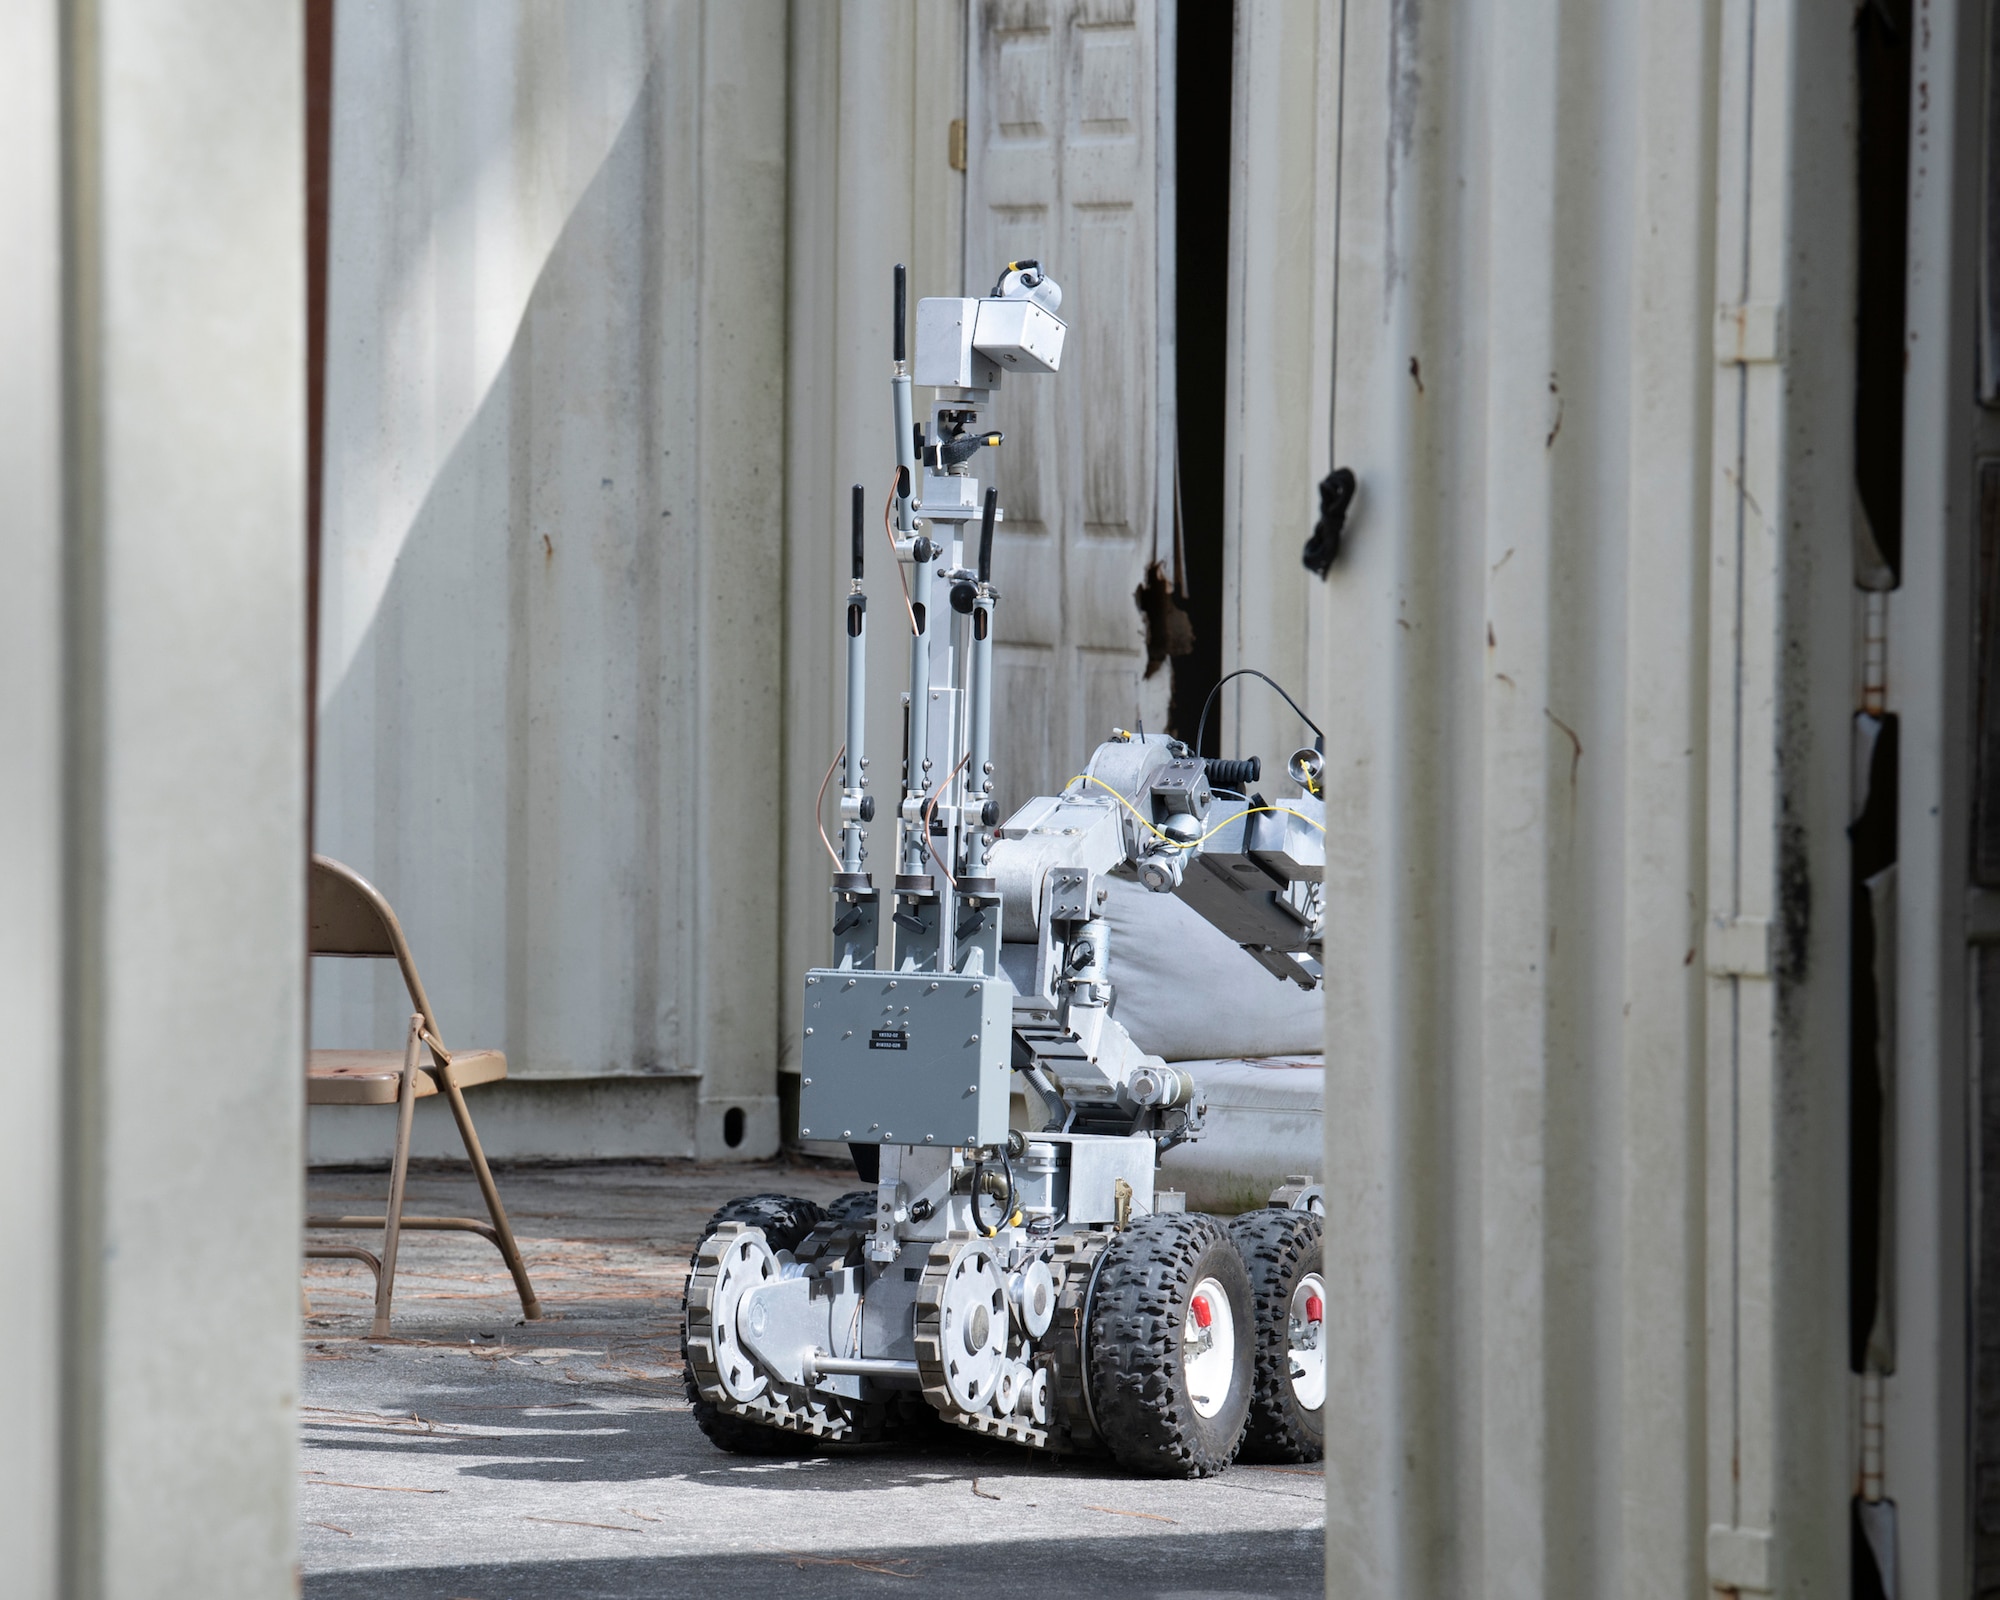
(1032, 1282)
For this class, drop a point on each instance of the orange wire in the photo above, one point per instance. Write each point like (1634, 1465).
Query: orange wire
(931, 806)
(819, 818)
(889, 534)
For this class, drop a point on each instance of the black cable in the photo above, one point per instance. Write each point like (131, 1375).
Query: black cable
(1201, 728)
(979, 1189)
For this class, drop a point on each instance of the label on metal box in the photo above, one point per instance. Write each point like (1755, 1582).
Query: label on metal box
(888, 1039)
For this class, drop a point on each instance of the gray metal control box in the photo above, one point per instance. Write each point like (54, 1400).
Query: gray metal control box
(906, 1058)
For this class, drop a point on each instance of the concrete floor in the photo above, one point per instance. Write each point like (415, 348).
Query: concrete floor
(477, 1457)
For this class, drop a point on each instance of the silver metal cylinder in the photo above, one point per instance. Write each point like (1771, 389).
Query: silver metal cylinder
(920, 719)
(978, 785)
(815, 1364)
(852, 832)
(906, 449)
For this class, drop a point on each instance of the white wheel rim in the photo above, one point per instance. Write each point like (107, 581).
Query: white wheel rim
(746, 1262)
(972, 1322)
(1208, 1345)
(1306, 1337)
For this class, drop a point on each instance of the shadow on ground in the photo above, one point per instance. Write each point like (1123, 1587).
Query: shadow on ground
(1256, 1566)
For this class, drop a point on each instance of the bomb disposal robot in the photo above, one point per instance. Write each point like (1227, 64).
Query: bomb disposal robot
(1024, 1277)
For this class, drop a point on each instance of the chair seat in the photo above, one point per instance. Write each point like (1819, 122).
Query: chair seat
(373, 1077)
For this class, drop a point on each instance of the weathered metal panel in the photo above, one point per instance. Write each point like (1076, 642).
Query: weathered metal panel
(31, 788)
(551, 659)
(1584, 673)
(1938, 1452)
(152, 808)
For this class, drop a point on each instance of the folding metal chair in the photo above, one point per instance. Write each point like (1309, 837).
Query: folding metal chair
(349, 917)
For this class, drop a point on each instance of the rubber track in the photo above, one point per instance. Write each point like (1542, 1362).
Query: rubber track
(1278, 1245)
(1134, 1344)
(786, 1221)
(930, 1358)
(844, 1228)
(1060, 1350)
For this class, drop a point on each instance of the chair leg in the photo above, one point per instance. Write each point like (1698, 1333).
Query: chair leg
(531, 1308)
(392, 1229)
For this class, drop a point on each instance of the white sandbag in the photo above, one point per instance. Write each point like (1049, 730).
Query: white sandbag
(1186, 992)
(1266, 1122)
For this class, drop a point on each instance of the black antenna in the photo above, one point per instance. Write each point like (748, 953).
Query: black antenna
(902, 309)
(860, 519)
(986, 536)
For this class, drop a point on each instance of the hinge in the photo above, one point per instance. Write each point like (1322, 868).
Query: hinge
(1749, 333)
(957, 147)
(1875, 652)
(1739, 1558)
(1739, 947)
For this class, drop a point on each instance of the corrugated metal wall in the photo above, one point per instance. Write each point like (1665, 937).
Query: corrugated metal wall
(1587, 682)
(550, 685)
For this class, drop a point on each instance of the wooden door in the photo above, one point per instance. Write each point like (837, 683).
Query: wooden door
(1063, 166)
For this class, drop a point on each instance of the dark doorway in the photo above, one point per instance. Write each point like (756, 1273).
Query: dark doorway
(1205, 35)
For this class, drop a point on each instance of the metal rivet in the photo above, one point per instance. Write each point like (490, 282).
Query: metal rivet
(807, 1082)
(972, 1088)
(928, 1138)
(847, 1133)
(809, 1033)
(975, 988)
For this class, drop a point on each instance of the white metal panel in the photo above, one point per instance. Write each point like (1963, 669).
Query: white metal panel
(1588, 1294)
(550, 680)
(152, 345)
(31, 789)
(1063, 141)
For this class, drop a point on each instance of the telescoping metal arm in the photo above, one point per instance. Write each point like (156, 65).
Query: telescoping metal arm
(979, 756)
(899, 396)
(856, 921)
(916, 780)
(855, 808)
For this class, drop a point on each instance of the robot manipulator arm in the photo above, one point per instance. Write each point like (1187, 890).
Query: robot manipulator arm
(1252, 867)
